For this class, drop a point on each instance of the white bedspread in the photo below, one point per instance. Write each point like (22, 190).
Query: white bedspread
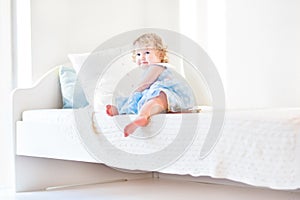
(257, 147)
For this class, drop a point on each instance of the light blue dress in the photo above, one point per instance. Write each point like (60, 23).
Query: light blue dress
(179, 94)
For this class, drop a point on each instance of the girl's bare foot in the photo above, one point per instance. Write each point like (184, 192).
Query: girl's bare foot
(111, 110)
(139, 121)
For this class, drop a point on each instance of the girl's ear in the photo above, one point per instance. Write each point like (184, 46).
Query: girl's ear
(161, 55)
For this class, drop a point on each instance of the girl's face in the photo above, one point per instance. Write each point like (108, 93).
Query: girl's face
(147, 56)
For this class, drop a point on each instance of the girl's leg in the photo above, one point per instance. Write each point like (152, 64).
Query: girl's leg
(154, 106)
(111, 110)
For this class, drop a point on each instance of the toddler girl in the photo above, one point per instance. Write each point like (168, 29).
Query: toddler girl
(159, 91)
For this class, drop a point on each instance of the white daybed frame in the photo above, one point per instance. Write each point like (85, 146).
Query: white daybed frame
(35, 173)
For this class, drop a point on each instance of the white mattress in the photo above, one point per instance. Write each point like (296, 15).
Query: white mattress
(257, 147)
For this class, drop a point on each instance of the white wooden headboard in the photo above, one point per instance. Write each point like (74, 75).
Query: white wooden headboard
(45, 93)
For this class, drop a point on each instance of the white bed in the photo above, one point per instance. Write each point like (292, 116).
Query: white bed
(257, 147)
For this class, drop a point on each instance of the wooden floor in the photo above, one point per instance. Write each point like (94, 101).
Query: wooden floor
(155, 189)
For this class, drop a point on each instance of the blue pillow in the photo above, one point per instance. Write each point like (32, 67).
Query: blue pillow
(71, 98)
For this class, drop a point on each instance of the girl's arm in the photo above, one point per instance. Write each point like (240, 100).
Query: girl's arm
(152, 74)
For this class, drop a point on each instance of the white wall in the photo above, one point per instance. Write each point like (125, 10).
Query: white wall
(193, 19)
(60, 27)
(161, 14)
(254, 45)
(262, 52)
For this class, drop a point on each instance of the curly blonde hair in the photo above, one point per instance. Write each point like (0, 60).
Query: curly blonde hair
(151, 40)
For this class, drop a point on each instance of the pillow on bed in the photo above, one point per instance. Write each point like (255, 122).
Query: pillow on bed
(106, 84)
(71, 98)
(78, 59)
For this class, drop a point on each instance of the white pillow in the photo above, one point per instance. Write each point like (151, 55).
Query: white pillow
(78, 59)
(109, 82)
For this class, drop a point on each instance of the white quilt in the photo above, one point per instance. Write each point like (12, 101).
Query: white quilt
(257, 147)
